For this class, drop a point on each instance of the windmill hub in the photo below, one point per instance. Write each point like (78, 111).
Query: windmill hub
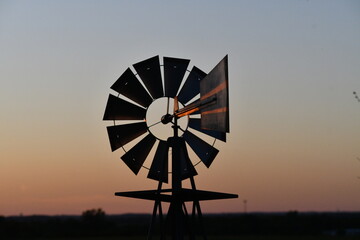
(159, 118)
(166, 118)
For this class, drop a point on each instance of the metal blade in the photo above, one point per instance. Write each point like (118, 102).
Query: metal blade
(191, 86)
(215, 85)
(195, 123)
(136, 156)
(120, 135)
(187, 168)
(119, 109)
(174, 71)
(159, 167)
(129, 86)
(150, 74)
(203, 150)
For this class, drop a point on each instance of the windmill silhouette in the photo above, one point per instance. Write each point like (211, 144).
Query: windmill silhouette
(201, 94)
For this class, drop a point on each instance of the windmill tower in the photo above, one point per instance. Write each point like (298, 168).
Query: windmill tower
(201, 94)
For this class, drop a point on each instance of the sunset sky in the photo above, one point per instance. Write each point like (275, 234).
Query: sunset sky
(294, 121)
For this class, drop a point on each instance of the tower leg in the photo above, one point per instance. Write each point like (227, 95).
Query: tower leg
(176, 219)
(157, 205)
(188, 225)
(196, 206)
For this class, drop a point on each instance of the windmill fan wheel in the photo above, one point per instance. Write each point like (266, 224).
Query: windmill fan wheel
(144, 88)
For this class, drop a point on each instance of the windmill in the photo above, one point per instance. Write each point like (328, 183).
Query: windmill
(200, 94)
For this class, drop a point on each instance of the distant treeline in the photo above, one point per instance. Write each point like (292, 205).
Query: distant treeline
(290, 223)
(96, 223)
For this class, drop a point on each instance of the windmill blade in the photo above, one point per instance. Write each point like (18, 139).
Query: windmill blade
(159, 167)
(187, 168)
(191, 86)
(203, 150)
(135, 157)
(120, 135)
(195, 123)
(129, 86)
(119, 109)
(174, 71)
(215, 86)
(150, 74)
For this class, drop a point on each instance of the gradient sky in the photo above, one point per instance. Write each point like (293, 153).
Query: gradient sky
(294, 122)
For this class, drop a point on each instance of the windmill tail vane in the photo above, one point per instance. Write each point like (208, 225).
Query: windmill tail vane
(199, 98)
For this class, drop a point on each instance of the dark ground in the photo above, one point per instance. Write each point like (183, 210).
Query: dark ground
(97, 225)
